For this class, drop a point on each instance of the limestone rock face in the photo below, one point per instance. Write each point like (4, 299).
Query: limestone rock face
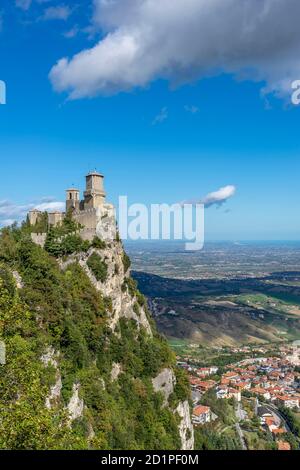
(55, 392)
(50, 358)
(76, 405)
(122, 301)
(186, 429)
(165, 383)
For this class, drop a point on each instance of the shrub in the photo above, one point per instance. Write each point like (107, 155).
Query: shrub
(99, 244)
(72, 244)
(98, 267)
(131, 285)
(141, 299)
(136, 309)
(126, 262)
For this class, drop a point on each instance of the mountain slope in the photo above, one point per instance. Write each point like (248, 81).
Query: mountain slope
(83, 357)
(215, 313)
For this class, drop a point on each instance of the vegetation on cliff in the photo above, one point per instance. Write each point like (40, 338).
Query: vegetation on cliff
(62, 310)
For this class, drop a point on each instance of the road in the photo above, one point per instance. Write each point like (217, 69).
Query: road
(275, 410)
(241, 416)
(241, 436)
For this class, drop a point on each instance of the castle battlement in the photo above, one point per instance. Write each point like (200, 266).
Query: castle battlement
(84, 211)
(39, 238)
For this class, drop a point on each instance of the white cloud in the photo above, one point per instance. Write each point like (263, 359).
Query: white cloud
(60, 12)
(161, 117)
(182, 41)
(50, 206)
(10, 212)
(216, 198)
(219, 197)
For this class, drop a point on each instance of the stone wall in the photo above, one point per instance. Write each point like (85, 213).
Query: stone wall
(55, 218)
(39, 238)
(87, 218)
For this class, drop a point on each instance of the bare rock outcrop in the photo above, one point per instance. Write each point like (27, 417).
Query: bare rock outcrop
(165, 383)
(186, 429)
(50, 358)
(18, 279)
(76, 404)
(123, 303)
(116, 371)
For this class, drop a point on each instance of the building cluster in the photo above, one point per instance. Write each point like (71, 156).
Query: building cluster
(271, 380)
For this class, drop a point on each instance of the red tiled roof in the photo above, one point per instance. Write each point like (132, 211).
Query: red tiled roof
(200, 410)
(270, 421)
(282, 445)
(279, 431)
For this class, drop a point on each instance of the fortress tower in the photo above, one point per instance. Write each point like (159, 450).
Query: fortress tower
(72, 199)
(94, 196)
(34, 216)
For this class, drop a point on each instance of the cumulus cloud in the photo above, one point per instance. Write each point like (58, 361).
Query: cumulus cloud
(161, 117)
(10, 212)
(182, 41)
(216, 198)
(219, 197)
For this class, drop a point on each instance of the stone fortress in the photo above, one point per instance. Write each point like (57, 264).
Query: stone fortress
(93, 213)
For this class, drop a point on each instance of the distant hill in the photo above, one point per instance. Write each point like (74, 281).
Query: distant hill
(222, 312)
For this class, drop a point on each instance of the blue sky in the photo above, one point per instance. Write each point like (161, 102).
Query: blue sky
(160, 142)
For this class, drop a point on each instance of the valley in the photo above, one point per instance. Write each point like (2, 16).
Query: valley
(257, 303)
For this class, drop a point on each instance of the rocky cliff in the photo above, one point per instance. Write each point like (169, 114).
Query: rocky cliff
(85, 366)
